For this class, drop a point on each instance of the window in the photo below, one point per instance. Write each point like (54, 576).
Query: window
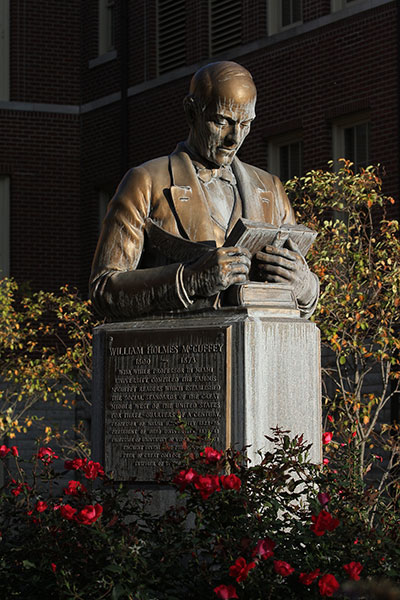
(283, 14)
(171, 38)
(285, 157)
(4, 226)
(106, 26)
(4, 50)
(225, 18)
(351, 141)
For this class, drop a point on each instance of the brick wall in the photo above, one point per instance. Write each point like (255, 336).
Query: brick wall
(45, 51)
(40, 152)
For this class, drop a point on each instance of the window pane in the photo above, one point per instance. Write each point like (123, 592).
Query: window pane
(295, 159)
(297, 11)
(361, 145)
(110, 24)
(349, 144)
(286, 12)
(284, 163)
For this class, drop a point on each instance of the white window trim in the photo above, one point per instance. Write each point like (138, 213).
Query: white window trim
(274, 14)
(4, 226)
(338, 128)
(274, 145)
(4, 50)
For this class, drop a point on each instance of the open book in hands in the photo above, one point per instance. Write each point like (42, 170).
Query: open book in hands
(248, 234)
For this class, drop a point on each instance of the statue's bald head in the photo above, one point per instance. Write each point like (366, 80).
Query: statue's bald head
(222, 80)
(220, 108)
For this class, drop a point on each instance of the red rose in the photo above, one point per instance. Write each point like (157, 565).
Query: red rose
(75, 464)
(46, 455)
(17, 490)
(41, 505)
(330, 418)
(211, 455)
(185, 477)
(89, 514)
(326, 461)
(93, 469)
(207, 485)
(327, 437)
(353, 570)
(53, 567)
(308, 578)
(4, 451)
(14, 451)
(74, 488)
(231, 482)
(283, 568)
(323, 522)
(328, 585)
(264, 548)
(225, 592)
(67, 511)
(241, 569)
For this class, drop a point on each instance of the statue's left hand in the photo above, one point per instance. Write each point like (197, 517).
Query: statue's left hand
(285, 265)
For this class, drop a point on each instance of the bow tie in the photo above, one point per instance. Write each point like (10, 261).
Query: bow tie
(224, 173)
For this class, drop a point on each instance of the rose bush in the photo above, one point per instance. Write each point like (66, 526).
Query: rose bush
(281, 529)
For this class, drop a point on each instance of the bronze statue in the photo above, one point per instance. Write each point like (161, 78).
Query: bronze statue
(198, 193)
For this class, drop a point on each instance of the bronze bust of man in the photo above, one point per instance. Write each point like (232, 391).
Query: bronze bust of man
(198, 193)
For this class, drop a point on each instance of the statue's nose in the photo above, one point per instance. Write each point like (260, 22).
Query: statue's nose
(233, 136)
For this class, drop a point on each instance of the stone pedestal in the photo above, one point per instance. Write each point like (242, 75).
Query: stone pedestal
(235, 373)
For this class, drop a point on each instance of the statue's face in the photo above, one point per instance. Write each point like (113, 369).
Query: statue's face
(220, 130)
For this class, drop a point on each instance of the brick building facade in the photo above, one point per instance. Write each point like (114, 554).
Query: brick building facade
(89, 88)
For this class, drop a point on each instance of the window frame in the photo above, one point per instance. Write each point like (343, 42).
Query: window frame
(338, 133)
(274, 16)
(106, 27)
(274, 146)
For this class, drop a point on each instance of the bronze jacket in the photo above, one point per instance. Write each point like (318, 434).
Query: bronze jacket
(129, 278)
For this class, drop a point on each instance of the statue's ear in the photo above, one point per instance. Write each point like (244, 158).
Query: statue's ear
(189, 106)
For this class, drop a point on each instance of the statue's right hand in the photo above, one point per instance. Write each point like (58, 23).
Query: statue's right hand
(216, 271)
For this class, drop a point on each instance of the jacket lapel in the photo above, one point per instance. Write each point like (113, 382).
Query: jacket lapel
(188, 199)
(257, 201)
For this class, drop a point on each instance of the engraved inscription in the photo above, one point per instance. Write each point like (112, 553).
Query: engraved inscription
(152, 377)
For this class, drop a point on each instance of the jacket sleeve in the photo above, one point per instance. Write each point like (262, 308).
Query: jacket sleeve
(117, 287)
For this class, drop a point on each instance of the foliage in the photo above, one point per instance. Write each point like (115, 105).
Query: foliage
(281, 529)
(356, 257)
(45, 352)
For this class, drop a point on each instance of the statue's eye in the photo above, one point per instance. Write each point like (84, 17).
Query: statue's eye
(220, 121)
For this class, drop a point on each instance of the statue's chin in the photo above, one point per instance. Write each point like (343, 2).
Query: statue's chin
(223, 157)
